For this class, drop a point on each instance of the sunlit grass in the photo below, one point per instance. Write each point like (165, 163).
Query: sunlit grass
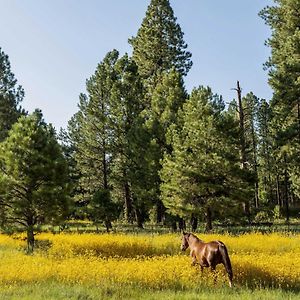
(149, 261)
(168, 244)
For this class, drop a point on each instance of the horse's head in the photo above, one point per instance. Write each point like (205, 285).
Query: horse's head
(185, 241)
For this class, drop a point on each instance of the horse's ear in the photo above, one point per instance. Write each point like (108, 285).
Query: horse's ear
(183, 233)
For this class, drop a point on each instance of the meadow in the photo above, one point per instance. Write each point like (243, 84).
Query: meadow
(140, 266)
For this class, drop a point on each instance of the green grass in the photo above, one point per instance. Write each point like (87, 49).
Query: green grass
(88, 227)
(59, 291)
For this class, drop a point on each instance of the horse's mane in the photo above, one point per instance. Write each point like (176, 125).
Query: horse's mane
(194, 236)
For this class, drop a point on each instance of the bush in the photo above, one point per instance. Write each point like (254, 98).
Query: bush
(263, 217)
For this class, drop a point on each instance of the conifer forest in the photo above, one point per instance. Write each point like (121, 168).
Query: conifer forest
(142, 149)
(106, 207)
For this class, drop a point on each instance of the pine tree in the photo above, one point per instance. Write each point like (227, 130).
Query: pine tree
(90, 133)
(202, 173)
(159, 45)
(167, 98)
(244, 111)
(162, 59)
(34, 181)
(10, 97)
(101, 208)
(250, 104)
(266, 160)
(283, 19)
(128, 139)
(108, 139)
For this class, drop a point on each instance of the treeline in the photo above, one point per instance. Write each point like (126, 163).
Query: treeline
(141, 148)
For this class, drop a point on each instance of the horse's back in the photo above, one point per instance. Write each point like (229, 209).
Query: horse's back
(212, 253)
(214, 245)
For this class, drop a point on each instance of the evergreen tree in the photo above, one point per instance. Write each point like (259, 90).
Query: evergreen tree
(108, 139)
(128, 157)
(167, 98)
(202, 173)
(162, 59)
(250, 104)
(102, 209)
(243, 110)
(34, 176)
(266, 159)
(283, 19)
(10, 97)
(159, 44)
(90, 133)
(68, 148)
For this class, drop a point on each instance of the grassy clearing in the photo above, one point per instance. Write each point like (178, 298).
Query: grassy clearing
(57, 291)
(118, 266)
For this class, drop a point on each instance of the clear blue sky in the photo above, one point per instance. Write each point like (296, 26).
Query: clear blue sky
(55, 45)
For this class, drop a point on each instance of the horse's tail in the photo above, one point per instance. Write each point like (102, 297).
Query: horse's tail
(226, 261)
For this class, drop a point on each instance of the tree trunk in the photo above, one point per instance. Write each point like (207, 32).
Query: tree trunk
(139, 218)
(242, 126)
(194, 223)
(108, 225)
(256, 194)
(256, 184)
(278, 191)
(174, 226)
(105, 180)
(181, 224)
(246, 207)
(128, 207)
(160, 211)
(270, 189)
(208, 216)
(104, 160)
(286, 190)
(30, 239)
(243, 158)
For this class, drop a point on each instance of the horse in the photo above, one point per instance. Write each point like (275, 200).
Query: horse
(207, 254)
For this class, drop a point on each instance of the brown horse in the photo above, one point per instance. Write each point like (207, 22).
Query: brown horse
(207, 254)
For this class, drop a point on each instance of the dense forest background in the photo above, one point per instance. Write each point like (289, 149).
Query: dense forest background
(142, 149)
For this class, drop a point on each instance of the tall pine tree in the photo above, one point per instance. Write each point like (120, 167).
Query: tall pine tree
(284, 69)
(108, 139)
(166, 100)
(159, 45)
(162, 59)
(266, 159)
(90, 133)
(11, 95)
(202, 173)
(34, 181)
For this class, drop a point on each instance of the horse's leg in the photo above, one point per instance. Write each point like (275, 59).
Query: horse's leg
(194, 258)
(213, 270)
(194, 261)
(229, 273)
(203, 264)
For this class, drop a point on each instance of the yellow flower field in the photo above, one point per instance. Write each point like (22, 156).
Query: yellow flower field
(150, 261)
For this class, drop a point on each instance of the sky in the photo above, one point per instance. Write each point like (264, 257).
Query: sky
(55, 45)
